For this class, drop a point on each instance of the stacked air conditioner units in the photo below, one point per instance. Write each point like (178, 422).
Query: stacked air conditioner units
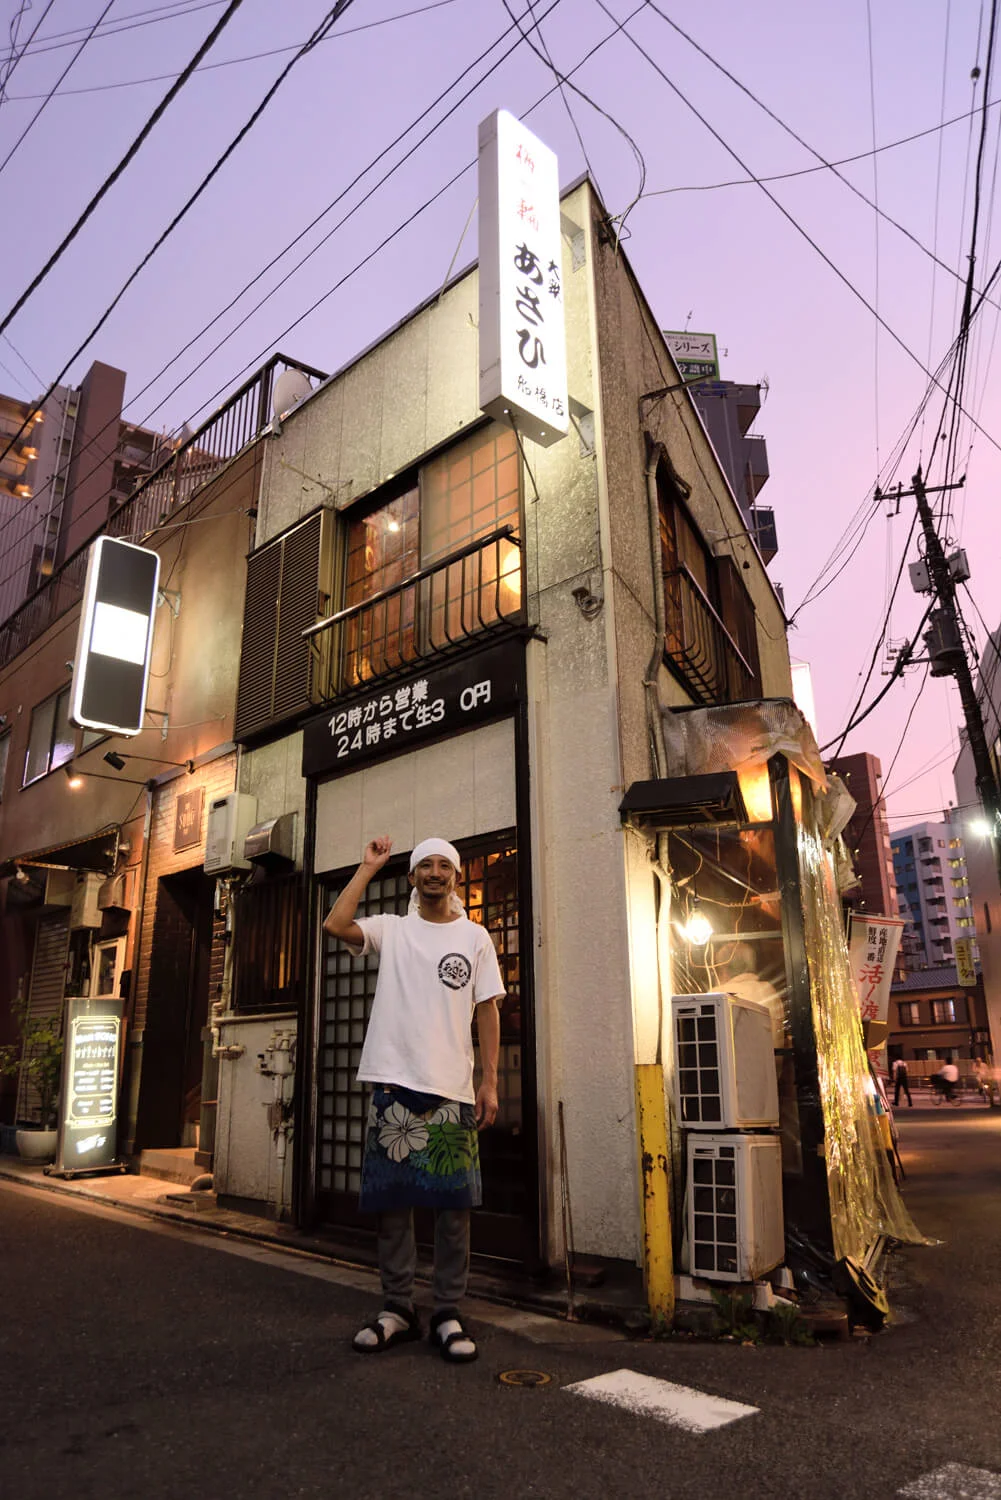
(727, 1101)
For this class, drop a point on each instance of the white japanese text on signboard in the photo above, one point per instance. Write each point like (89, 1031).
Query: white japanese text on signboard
(523, 374)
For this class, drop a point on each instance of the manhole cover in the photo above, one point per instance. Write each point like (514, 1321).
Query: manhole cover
(524, 1377)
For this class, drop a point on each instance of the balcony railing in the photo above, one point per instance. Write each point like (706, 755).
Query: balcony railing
(476, 590)
(700, 649)
(238, 421)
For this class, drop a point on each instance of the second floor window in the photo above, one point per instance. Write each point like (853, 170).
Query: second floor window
(458, 498)
(711, 638)
(910, 1013)
(943, 1012)
(51, 738)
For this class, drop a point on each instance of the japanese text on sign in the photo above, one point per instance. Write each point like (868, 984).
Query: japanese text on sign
(873, 952)
(522, 325)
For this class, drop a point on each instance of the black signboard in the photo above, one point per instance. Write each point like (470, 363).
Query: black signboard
(441, 701)
(88, 1114)
(115, 636)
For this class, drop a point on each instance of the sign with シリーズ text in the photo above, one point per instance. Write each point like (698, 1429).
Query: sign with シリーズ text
(111, 665)
(88, 1101)
(400, 715)
(694, 354)
(523, 357)
(872, 949)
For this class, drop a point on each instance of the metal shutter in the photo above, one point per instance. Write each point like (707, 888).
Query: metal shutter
(46, 994)
(284, 583)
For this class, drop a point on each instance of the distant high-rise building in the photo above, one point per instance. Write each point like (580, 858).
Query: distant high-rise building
(73, 460)
(867, 834)
(929, 861)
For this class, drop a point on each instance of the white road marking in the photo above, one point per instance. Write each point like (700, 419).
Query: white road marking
(955, 1482)
(678, 1405)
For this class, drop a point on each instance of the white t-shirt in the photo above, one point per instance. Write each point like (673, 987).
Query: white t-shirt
(431, 975)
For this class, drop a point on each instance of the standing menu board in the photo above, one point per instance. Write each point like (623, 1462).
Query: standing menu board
(88, 1113)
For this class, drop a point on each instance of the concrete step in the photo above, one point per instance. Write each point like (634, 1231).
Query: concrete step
(176, 1164)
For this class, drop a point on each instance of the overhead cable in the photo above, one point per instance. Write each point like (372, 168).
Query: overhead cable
(133, 149)
(328, 21)
(49, 96)
(231, 62)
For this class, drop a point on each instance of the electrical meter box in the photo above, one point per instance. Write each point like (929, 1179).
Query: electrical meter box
(230, 820)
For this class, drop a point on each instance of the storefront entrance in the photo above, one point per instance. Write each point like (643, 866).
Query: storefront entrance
(506, 1226)
(177, 1010)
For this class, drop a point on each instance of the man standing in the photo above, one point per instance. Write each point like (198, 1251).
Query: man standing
(421, 1148)
(901, 1082)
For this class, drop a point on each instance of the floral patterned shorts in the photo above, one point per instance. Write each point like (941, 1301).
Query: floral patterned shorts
(421, 1151)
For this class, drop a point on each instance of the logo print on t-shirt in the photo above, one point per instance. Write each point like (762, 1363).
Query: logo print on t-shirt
(455, 970)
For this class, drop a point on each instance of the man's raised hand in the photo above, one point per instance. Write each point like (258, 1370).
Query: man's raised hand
(377, 852)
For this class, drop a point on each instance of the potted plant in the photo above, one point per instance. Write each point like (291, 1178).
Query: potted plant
(39, 1052)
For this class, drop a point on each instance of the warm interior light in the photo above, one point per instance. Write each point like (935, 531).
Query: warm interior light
(796, 793)
(74, 779)
(392, 525)
(756, 790)
(698, 929)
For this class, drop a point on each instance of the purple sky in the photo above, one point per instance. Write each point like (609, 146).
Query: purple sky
(724, 260)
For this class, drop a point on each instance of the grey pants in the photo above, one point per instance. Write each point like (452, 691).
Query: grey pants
(398, 1256)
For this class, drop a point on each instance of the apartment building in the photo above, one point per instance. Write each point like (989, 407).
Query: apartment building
(929, 863)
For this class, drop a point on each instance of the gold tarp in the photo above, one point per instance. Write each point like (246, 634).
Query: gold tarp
(729, 883)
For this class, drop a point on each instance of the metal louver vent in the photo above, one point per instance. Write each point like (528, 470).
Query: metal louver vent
(287, 583)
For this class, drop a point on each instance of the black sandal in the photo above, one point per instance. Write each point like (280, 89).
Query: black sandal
(445, 1346)
(386, 1340)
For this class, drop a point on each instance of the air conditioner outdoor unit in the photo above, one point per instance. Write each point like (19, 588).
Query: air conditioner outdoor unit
(229, 821)
(735, 1226)
(724, 1063)
(84, 910)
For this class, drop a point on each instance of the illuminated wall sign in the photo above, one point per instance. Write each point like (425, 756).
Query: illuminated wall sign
(523, 356)
(695, 354)
(88, 1110)
(400, 715)
(111, 666)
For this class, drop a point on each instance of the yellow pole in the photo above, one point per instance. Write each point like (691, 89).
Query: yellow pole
(658, 1261)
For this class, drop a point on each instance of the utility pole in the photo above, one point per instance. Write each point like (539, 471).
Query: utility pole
(952, 658)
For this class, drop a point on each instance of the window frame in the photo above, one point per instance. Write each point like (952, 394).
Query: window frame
(910, 1012)
(51, 765)
(949, 1009)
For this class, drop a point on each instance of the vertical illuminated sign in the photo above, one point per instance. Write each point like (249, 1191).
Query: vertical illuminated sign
(523, 358)
(88, 1101)
(111, 665)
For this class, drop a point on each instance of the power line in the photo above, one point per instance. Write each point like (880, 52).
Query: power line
(830, 166)
(230, 62)
(341, 222)
(117, 171)
(114, 29)
(328, 21)
(364, 261)
(10, 62)
(50, 94)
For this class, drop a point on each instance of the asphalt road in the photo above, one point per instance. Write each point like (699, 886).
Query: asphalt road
(139, 1359)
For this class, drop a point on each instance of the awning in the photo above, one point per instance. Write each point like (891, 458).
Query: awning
(98, 851)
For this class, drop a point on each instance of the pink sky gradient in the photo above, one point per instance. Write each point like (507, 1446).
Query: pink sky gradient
(723, 260)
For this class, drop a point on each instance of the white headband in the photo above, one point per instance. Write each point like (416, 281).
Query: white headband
(435, 846)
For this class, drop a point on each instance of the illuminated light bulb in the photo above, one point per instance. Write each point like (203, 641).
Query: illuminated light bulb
(981, 827)
(392, 525)
(698, 929)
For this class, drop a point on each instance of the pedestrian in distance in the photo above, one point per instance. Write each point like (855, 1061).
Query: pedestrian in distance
(982, 1079)
(901, 1082)
(436, 968)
